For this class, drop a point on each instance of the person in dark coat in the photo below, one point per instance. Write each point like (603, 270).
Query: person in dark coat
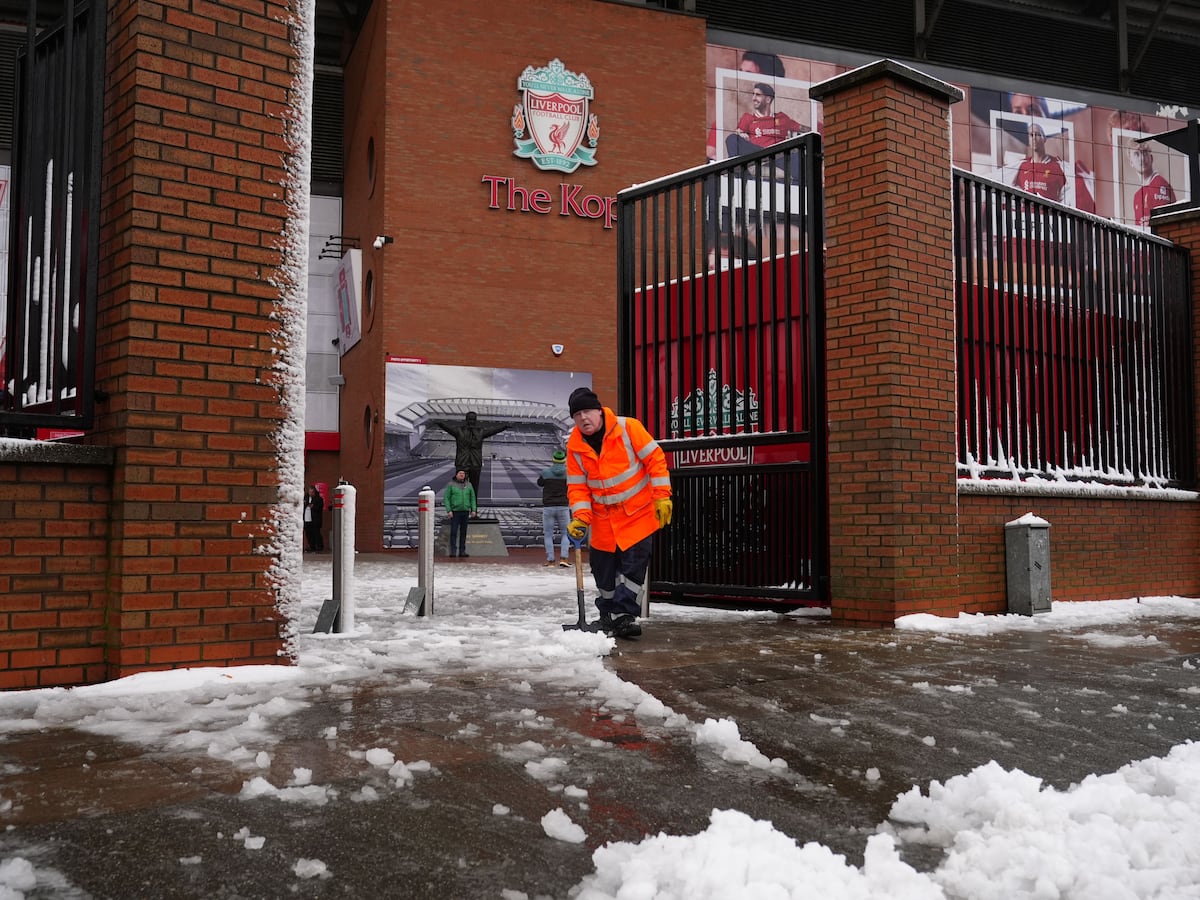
(469, 436)
(314, 510)
(556, 509)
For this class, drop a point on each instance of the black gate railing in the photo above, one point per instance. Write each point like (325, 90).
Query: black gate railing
(49, 323)
(1074, 354)
(721, 334)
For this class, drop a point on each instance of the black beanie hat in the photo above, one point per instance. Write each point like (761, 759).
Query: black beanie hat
(583, 398)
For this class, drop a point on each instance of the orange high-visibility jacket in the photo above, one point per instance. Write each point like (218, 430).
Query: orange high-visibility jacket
(614, 492)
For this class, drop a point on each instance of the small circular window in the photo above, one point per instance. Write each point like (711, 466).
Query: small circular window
(369, 432)
(368, 311)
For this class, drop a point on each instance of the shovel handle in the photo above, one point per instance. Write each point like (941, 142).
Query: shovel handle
(577, 543)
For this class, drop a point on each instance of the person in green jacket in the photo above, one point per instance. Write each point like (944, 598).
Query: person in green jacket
(459, 498)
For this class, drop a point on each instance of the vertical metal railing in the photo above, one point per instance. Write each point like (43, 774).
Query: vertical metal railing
(721, 336)
(49, 317)
(1074, 344)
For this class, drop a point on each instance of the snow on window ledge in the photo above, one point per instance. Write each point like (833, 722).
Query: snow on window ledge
(1038, 486)
(17, 450)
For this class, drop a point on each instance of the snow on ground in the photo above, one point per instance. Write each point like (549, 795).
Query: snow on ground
(1124, 834)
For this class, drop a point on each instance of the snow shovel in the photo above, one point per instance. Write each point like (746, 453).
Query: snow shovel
(582, 624)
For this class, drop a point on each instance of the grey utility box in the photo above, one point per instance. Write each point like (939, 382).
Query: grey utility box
(1027, 564)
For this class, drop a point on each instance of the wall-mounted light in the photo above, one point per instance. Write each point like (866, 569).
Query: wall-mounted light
(381, 240)
(336, 246)
(337, 380)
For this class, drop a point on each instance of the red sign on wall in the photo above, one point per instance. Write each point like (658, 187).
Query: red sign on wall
(569, 200)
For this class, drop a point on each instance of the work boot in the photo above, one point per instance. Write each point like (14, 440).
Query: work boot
(547, 564)
(563, 564)
(605, 623)
(626, 626)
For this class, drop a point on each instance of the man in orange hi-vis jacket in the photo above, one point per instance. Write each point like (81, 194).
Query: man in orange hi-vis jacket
(619, 487)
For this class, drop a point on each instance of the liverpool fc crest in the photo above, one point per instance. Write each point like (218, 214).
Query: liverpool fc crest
(555, 115)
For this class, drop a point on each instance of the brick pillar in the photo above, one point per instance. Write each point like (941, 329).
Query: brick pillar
(890, 343)
(192, 263)
(1182, 227)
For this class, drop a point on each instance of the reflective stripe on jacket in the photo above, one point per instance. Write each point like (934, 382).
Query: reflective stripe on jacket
(614, 491)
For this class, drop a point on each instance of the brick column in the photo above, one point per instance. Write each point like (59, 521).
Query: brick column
(1182, 227)
(192, 262)
(890, 343)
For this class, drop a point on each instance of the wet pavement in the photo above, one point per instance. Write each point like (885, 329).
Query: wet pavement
(858, 715)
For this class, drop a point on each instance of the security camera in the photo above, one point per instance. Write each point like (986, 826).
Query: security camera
(382, 240)
(557, 349)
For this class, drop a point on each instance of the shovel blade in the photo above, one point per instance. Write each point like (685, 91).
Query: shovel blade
(582, 623)
(581, 626)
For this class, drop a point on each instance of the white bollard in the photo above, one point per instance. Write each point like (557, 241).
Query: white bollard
(426, 513)
(342, 535)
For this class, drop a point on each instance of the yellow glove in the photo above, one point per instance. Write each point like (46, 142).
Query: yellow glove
(662, 511)
(577, 529)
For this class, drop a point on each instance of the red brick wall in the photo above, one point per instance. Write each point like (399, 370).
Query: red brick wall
(1183, 228)
(53, 562)
(366, 89)
(1100, 548)
(902, 538)
(193, 207)
(890, 346)
(434, 86)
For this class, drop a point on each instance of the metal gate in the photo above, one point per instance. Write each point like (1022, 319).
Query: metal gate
(722, 356)
(48, 321)
(1074, 344)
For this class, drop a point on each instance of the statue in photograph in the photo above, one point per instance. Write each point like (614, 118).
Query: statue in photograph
(469, 436)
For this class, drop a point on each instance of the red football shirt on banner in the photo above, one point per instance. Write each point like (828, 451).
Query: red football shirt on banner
(1154, 193)
(767, 130)
(1046, 179)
